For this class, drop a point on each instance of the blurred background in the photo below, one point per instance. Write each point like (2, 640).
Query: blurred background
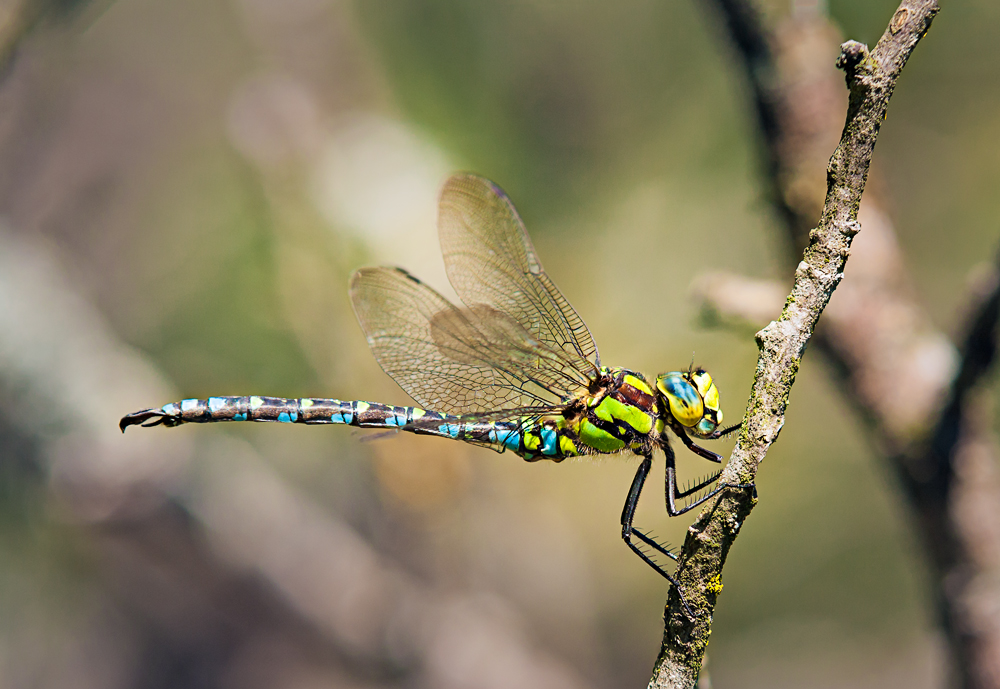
(185, 188)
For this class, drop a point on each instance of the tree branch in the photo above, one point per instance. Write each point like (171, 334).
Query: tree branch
(878, 337)
(871, 78)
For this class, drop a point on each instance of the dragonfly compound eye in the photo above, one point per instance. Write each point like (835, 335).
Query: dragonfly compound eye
(686, 404)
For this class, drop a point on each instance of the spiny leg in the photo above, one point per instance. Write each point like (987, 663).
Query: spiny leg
(628, 514)
(727, 430)
(672, 492)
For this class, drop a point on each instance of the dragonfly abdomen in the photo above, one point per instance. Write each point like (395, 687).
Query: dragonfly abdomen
(308, 410)
(279, 409)
(531, 440)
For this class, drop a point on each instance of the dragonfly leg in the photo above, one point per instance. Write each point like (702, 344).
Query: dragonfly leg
(628, 514)
(727, 430)
(673, 494)
(695, 448)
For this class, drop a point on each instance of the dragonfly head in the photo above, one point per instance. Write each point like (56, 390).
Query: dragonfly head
(692, 399)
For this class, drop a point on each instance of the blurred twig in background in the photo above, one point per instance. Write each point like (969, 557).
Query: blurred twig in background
(18, 18)
(871, 79)
(895, 367)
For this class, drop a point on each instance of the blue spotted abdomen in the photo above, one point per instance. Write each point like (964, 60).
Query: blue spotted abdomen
(531, 441)
(282, 410)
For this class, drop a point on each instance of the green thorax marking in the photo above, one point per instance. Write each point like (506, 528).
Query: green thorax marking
(624, 416)
(621, 416)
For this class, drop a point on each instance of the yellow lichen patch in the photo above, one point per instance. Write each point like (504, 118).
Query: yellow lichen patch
(714, 585)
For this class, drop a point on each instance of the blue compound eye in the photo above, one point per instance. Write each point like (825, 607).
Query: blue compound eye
(683, 398)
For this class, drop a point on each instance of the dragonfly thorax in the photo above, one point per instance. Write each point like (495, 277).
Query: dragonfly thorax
(692, 399)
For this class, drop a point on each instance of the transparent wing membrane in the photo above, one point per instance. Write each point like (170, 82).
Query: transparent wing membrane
(450, 359)
(516, 343)
(490, 260)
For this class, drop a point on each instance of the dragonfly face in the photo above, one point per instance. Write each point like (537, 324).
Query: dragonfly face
(693, 400)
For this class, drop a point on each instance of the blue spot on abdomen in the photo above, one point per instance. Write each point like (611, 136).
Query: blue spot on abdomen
(549, 439)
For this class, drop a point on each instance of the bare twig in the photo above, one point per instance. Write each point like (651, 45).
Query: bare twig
(879, 338)
(871, 78)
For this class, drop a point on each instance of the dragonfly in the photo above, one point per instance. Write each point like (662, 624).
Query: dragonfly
(513, 367)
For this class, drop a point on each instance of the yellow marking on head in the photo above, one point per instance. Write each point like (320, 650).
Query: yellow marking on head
(702, 380)
(712, 398)
(706, 388)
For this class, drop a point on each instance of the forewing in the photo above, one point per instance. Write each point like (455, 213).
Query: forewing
(450, 359)
(490, 260)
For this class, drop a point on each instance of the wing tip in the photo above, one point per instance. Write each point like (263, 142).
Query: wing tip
(464, 181)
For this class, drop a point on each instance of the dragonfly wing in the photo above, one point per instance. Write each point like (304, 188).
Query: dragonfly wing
(450, 359)
(490, 260)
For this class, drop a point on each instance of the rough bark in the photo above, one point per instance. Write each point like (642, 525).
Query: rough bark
(871, 78)
(878, 336)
